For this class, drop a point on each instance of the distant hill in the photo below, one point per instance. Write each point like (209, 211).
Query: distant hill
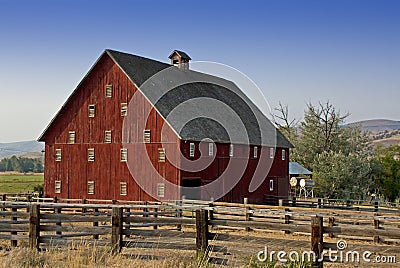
(377, 125)
(30, 149)
(383, 132)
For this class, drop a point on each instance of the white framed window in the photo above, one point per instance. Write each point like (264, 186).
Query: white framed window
(71, 137)
(109, 89)
(255, 151)
(107, 136)
(161, 154)
(191, 149)
(91, 154)
(147, 136)
(123, 188)
(92, 110)
(271, 152)
(58, 155)
(90, 187)
(124, 155)
(57, 187)
(271, 185)
(210, 149)
(160, 189)
(231, 150)
(283, 154)
(124, 109)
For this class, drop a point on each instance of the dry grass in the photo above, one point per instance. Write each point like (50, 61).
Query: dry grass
(84, 255)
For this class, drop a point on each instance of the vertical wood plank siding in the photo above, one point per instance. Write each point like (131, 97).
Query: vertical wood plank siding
(107, 171)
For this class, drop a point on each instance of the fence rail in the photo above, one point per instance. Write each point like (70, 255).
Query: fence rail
(129, 225)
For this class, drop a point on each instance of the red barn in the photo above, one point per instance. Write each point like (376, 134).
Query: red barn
(139, 129)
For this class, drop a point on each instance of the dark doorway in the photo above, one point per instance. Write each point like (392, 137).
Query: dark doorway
(189, 193)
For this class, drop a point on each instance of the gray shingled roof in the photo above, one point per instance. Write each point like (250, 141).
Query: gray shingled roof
(195, 87)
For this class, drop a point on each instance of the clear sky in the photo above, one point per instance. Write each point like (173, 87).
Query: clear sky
(346, 51)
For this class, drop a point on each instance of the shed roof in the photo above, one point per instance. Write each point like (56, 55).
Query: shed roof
(296, 168)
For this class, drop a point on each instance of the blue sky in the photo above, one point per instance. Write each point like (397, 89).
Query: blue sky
(346, 51)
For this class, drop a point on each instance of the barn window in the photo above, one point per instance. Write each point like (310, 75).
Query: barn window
(283, 154)
(90, 187)
(92, 110)
(161, 155)
(147, 136)
(271, 152)
(124, 155)
(91, 154)
(109, 91)
(57, 187)
(191, 149)
(71, 137)
(271, 185)
(124, 109)
(210, 149)
(107, 136)
(255, 152)
(160, 189)
(58, 155)
(231, 150)
(123, 188)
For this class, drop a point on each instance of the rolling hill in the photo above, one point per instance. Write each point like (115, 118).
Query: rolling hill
(30, 149)
(383, 132)
(375, 126)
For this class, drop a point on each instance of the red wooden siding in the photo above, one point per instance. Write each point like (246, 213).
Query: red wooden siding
(107, 171)
(278, 171)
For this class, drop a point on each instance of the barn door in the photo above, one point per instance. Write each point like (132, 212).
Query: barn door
(189, 193)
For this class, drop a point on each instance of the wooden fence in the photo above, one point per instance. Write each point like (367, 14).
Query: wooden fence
(154, 225)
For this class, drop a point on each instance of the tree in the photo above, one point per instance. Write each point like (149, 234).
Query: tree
(337, 155)
(21, 164)
(388, 175)
(287, 126)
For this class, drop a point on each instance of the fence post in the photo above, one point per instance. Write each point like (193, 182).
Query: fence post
(179, 214)
(4, 198)
(128, 215)
(116, 232)
(287, 220)
(211, 211)
(34, 226)
(58, 223)
(84, 201)
(293, 201)
(376, 226)
(376, 206)
(155, 227)
(317, 240)
(201, 231)
(331, 224)
(96, 223)
(14, 219)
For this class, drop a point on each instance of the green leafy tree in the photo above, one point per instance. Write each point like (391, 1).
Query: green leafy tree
(337, 155)
(21, 164)
(388, 176)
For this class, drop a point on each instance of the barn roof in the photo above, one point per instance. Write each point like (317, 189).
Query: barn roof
(176, 87)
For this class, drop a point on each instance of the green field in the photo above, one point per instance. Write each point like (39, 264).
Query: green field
(19, 183)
